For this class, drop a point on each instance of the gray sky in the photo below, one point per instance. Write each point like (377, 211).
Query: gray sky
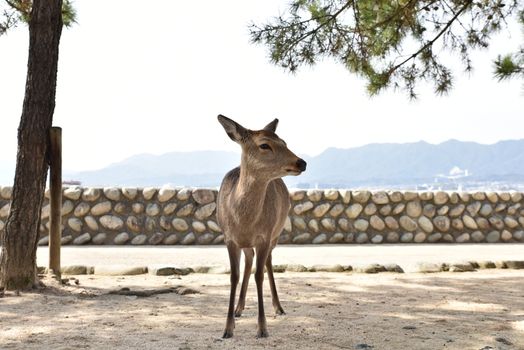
(142, 79)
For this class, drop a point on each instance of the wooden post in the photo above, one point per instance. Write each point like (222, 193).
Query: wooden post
(55, 186)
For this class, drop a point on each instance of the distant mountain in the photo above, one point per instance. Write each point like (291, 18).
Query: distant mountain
(409, 165)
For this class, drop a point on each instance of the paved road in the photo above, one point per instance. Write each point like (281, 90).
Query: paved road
(407, 256)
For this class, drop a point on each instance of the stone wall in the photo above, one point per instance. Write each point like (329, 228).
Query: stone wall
(187, 216)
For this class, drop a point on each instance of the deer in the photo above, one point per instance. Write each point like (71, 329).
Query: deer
(252, 207)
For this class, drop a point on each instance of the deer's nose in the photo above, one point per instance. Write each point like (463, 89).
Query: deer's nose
(301, 164)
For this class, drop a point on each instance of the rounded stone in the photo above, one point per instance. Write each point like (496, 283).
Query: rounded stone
(219, 239)
(513, 209)
(6, 192)
(132, 223)
(426, 196)
(169, 208)
(473, 208)
(205, 211)
(44, 214)
(414, 209)
(457, 210)
(479, 196)
(457, 224)
(188, 239)
(171, 239)
(185, 210)
(429, 210)
(156, 238)
(129, 192)
(421, 237)
(183, 194)
(521, 221)
(345, 195)
(496, 222)
(464, 196)
(299, 223)
(482, 223)
(516, 197)
(313, 225)
(377, 239)
(493, 237)
(392, 237)
(440, 198)
(504, 196)
(443, 210)
(406, 237)
(425, 224)
(82, 239)
(198, 226)
(463, 238)
(486, 210)
(138, 208)
(395, 196)
(510, 222)
(506, 236)
(380, 198)
(180, 224)
(43, 241)
(314, 195)
(492, 197)
(213, 226)
(112, 193)
(385, 210)
(336, 210)
(206, 238)
(203, 196)
(121, 208)
(377, 223)
(407, 223)
(139, 239)
(67, 207)
(99, 238)
(165, 224)
(391, 223)
(354, 210)
(469, 222)
(101, 208)
(287, 225)
(302, 238)
(121, 238)
(399, 208)
(303, 207)
(148, 193)
(409, 196)
(81, 209)
(350, 237)
(442, 223)
(477, 236)
(320, 239)
(361, 196)
(166, 193)
(331, 195)
(500, 207)
(75, 224)
(337, 238)
(370, 209)
(344, 224)
(91, 223)
(111, 222)
(297, 195)
(518, 235)
(90, 194)
(150, 224)
(321, 209)
(362, 238)
(361, 225)
(152, 209)
(454, 198)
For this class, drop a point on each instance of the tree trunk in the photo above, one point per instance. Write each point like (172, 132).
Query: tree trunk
(18, 260)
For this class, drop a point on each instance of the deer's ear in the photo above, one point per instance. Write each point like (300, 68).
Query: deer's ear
(235, 131)
(272, 126)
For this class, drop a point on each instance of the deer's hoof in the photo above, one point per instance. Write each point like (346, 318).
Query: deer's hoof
(227, 334)
(279, 311)
(262, 333)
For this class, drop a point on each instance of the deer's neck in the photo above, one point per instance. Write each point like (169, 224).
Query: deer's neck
(250, 194)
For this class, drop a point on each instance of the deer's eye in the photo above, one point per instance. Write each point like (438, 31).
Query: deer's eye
(265, 146)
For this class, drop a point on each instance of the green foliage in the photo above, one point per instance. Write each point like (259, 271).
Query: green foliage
(392, 44)
(16, 11)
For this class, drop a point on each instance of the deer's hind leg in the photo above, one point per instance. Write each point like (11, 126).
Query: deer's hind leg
(234, 260)
(249, 253)
(274, 295)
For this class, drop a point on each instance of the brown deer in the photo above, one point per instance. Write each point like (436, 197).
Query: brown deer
(253, 204)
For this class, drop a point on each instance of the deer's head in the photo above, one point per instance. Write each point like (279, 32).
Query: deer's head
(263, 152)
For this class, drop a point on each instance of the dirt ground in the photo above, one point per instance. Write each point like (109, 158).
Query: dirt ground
(473, 310)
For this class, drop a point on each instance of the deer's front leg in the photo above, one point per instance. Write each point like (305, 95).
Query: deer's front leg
(248, 256)
(234, 260)
(262, 253)
(274, 295)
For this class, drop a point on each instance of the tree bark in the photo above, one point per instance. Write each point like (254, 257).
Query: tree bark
(18, 260)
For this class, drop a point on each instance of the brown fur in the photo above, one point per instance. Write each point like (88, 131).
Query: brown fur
(252, 207)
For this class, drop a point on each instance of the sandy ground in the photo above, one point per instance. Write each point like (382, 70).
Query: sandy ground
(474, 310)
